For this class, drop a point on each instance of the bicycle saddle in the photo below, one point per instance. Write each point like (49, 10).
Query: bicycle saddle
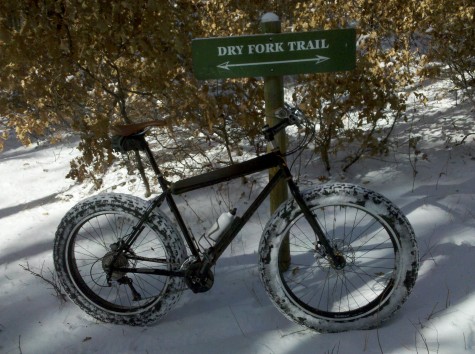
(134, 128)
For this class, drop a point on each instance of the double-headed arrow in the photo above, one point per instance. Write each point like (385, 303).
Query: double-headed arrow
(318, 59)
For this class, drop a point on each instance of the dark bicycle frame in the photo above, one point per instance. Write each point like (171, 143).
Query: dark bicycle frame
(273, 159)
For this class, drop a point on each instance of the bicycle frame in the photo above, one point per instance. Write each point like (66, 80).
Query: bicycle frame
(273, 159)
(334, 257)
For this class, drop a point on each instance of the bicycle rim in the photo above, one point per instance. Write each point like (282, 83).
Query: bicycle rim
(90, 246)
(370, 248)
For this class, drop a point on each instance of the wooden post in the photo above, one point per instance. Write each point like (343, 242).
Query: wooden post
(274, 99)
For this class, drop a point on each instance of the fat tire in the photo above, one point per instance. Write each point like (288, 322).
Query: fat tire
(362, 205)
(119, 208)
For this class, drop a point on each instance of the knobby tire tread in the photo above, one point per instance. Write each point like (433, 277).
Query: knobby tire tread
(128, 206)
(366, 204)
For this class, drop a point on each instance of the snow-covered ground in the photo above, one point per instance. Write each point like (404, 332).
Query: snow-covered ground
(236, 316)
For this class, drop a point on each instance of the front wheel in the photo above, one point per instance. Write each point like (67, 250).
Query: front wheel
(84, 249)
(367, 232)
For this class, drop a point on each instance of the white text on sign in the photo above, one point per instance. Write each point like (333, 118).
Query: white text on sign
(278, 47)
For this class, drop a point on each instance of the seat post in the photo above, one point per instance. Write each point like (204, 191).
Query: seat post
(161, 180)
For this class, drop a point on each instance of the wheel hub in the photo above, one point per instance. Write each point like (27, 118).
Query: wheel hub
(344, 255)
(339, 262)
(120, 262)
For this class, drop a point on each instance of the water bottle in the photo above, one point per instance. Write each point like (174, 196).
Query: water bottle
(217, 229)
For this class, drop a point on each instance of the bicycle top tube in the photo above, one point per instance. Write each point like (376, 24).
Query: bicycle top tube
(260, 163)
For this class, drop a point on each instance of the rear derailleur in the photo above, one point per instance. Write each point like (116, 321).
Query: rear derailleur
(117, 259)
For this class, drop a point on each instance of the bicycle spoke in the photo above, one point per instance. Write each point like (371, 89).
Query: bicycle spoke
(366, 246)
(93, 242)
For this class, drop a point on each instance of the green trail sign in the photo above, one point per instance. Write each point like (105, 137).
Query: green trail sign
(274, 54)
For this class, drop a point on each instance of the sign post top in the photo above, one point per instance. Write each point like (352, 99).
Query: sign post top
(274, 54)
(269, 17)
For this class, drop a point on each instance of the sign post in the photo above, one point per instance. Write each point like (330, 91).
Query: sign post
(274, 99)
(271, 55)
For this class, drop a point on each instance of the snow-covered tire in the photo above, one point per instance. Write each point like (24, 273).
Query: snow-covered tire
(83, 242)
(373, 235)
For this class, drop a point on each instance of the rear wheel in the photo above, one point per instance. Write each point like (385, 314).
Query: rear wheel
(375, 246)
(85, 248)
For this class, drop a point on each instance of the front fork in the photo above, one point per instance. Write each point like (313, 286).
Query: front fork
(336, 259)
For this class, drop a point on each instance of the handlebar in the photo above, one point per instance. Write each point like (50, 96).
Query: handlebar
(288, 115)
(294, 114)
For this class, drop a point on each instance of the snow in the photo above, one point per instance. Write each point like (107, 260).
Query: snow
(236, 316)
